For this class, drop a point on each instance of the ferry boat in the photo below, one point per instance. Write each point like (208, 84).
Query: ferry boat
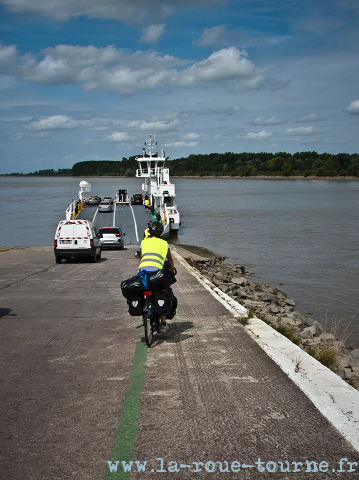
(158, 189)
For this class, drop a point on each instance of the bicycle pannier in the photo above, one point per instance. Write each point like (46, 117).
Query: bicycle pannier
(163, 301)
(172, 313)
(135, 306)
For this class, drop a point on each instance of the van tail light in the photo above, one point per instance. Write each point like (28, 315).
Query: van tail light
(92, 242)
(55, 243)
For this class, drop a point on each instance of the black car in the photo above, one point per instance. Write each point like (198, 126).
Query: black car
(137, 199)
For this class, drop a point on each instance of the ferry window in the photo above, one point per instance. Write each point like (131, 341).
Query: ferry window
(168, 201)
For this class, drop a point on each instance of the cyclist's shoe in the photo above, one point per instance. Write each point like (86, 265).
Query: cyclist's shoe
(164, 327)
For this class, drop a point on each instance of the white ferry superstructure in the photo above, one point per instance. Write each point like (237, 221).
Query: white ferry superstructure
(158, 188)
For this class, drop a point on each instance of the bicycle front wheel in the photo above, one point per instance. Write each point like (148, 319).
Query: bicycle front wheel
(148, 328)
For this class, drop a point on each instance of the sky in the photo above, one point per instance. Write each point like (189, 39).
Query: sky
(89, 80)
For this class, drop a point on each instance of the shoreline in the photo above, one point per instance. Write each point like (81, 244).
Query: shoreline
(266, 177)
(197, 177)
(274, 308)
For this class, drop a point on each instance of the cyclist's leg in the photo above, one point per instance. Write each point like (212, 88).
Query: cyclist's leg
(164, 326)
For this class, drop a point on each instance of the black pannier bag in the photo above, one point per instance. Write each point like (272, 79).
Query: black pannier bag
(132, 286)
(172, 313)
(160, 279)
(163, 301)
(135, 306)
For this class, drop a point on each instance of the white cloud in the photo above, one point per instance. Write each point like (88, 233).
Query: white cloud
(17, 137)
(309, 118)
(128, 11)
(353, 108)
(191, 136)
(55, 122)
(256, 135)
(259, 82)
(8, 59)
(152, 34)
(300, 131)
(115, 71)
(226, 64)
(156, 125)
(210, 36)
(117, 137)
(267, 121)
(99, 123)
(181, 144)
(226, 111)
(220, 36)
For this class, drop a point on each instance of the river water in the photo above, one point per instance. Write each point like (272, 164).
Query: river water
(299, 235)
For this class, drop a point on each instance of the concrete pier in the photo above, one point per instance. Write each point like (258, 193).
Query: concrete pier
(79, 388)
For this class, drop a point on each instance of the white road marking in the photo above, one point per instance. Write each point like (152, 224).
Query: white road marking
(114, 216)
(93, 220)
(134, 220)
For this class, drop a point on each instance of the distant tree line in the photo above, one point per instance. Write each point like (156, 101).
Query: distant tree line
(126, 167)
(48, 172)
(225, 164)
(269, 164)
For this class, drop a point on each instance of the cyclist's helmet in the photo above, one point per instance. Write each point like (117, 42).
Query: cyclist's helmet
(156, 229)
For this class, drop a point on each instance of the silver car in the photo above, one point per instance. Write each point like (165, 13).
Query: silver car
(111, 237)
(105, 207)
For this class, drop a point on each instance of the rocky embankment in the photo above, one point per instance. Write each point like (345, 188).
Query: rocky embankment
(276, 309)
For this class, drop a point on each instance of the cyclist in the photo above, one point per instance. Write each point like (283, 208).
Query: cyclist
(147, 203)
(146, 233)
(153, 253)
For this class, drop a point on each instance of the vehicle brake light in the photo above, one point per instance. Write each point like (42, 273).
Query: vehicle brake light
(91, 242)
(117, 235)
(55, 243)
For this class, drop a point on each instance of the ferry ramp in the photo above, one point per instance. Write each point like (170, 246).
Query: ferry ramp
(132, 219)
(79, 388)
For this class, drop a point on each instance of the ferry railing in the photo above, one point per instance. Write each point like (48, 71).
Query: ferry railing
(148, 172)
(74, 209)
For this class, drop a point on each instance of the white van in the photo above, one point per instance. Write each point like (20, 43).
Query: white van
(76, 238)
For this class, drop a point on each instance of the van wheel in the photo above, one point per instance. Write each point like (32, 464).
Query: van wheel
(93, 258)
(58, 259)
(99, 255)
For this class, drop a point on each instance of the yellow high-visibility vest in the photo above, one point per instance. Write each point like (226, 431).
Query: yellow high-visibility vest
(153, 252)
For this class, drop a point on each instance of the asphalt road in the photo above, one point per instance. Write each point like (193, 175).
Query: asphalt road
(79, 388)
(132, 219)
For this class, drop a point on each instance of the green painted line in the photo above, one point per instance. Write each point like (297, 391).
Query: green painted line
(124, 443)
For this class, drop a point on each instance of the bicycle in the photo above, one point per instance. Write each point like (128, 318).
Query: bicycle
(151, 319)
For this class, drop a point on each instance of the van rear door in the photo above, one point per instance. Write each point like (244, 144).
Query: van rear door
(73, 234)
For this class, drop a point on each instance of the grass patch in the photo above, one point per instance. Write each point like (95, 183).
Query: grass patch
(327, 356)
(288, 332)
(263, 318)
(244, 320)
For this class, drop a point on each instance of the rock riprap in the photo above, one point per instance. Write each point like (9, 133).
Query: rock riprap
(272, 306)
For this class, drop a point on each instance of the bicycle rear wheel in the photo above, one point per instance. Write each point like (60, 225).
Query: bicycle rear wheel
(149, 322)
(148, 328)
